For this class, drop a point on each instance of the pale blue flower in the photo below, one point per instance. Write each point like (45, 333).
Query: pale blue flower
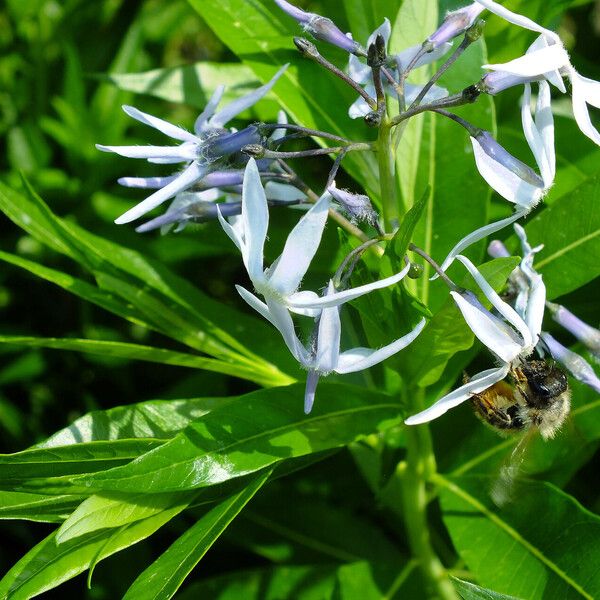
(204, 151)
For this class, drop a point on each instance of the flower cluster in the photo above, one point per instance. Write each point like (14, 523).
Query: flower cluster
(237, 176)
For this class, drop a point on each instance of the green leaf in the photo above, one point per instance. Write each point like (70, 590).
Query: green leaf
(403, 236)
(533, 558)
(49, 564)
(164, 577)
(136, 352)
(36, 507)
(159, 419)
(116, 510)
(250, 433)
(261, 36)
(470, 591)
(64, 460)
(570, 232)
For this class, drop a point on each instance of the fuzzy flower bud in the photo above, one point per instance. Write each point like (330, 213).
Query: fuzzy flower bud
(356, 206)
(497, 249)
(587, 335)
(495, 82)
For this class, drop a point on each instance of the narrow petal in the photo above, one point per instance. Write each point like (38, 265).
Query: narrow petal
(255, 219)
(575, 364)
(591, 89)
(384, 30)
(300, 248)
(580, 107)
(489, 330)
(222, 117)
(328, 337)
(357, 70)
(297, 301)
(412, 91)
(480, 382)
(404, 58)
(534, 138)
(209, 110)
(509, 185)
(186, 179)
(477, 235)
(307, 297)
(312, 380)
(179, 153)
(258, 305)
(148, 183)
(281, 318)
(544, 121)
(235, 235)
(358, 359)
(535, 63)
(177, 133)
(502, 307)
(359, 108)
(517, 19)
(283, 191)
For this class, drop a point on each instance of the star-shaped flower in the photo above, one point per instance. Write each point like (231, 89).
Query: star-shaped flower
(204, 151)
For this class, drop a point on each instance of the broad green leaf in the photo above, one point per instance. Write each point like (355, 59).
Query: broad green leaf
(261, 36)
(250, 433)
(64, 460)
(570, 232)
(36, 507)
(137, 352)
(158, 419)
(470, 591)
(403, 236)
(164, 577)
(116, 510)
(190, 84)
(513, 552)
(49, 564)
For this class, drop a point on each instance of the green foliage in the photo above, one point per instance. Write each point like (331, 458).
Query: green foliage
(225, 471)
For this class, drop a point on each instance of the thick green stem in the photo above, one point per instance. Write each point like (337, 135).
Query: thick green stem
(418, 468)
(387, 178)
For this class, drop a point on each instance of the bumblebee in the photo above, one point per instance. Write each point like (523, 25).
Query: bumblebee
(536, 396)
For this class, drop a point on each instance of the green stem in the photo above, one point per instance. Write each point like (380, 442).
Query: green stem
(387, 177)
(418, 468)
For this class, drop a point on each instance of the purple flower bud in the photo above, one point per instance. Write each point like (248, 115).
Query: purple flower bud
(320, 27)
(586, 334)
(496, 152)
(575, 364)
(498, 81)
(356, 206)
(218, 179)
(230, 143)
(455, 23)
(497, 249)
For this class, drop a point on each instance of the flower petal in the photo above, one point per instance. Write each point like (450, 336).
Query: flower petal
(281, 318)
(297, 301)
(580, 108)
(489, 329)
(209, 110)
(187, 178)
(174, 154)
(502, 307)
(328, 338)
(477, 235)
(255, 219)
(358, 359)
(258, 305)
(385, 30)
(509, 185)
(148, 183)
(480, 382)
(222, 117)
(312, 380)
(534, 63)
(544, 121)
(177, 133)
(300, 248)
(359, 108)
(234, 234)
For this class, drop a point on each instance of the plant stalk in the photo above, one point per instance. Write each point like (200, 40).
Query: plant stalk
(386, 157)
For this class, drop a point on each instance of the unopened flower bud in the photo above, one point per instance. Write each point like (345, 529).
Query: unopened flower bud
(495, 82)
(356, 206)
(455, 23)
(586, 334)
(230, 143)
(497, 249)
(497, 153)
(320, 27)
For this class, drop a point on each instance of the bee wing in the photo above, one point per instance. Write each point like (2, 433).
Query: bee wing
(503, 488)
